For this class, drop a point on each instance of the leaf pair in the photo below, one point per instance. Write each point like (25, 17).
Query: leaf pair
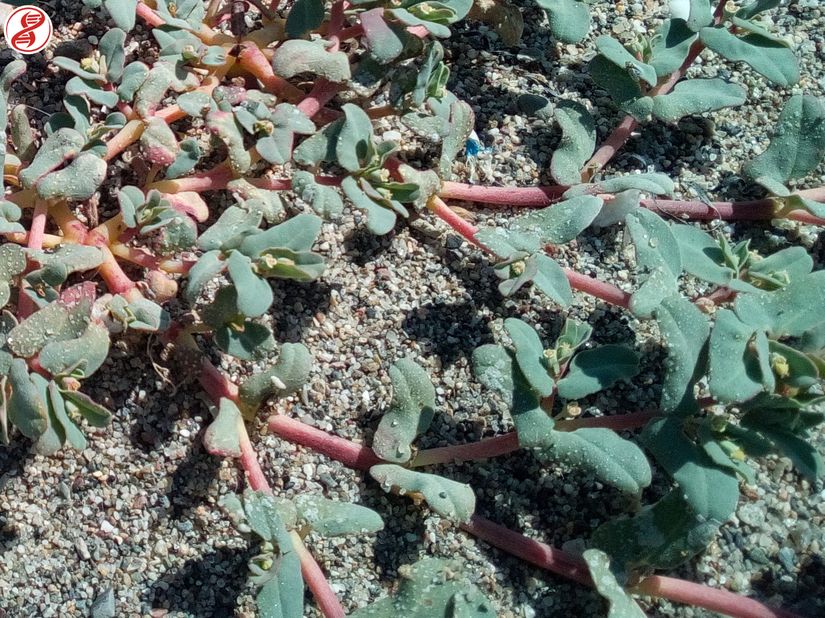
(525, 376)
(277, 570)
(236, 244)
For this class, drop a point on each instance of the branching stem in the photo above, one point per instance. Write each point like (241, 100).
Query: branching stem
(539, 554)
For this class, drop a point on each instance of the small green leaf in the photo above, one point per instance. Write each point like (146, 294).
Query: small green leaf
(123, 12)
(410, 413)
(797, 146)
(601, 452)
(622, 87)
(696, 96)
(296, 56)
(702, 256)
(766, 56)
(246, 341)
(450, 499)
(616, 209)
(206, 268)
(685, 330)
(551, 279)
(559, 223)
(696, 13)
(754, 8)
(790, 311)
(287, 375)
(158, 142)
(806, 459)
(92, 91)
(297, 234)
(27, 409)
(594, 370)
(222, 437)
(460, 126)
(380, 220)
(658, 260)
(226, 127)
(431, 587)
(57, 321)
(616, 53)
(384, 41)
(330, 518)
(621, 603)
(495, 367)
(72, 433)
(711, 492)
(577, 143)
(569, 20)
(530, 356)
(112, 50)
(355, 149)
(94, 413)
(254, 293)
(735, 374)
(671, 45)
(305, 15)
(81, 357)
(661, 536)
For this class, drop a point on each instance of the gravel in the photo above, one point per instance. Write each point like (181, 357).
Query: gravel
(131, 526)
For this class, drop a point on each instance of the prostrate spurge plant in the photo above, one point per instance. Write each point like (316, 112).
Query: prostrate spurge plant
(286, 102)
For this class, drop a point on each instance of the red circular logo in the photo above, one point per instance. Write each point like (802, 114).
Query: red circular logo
(28, 29)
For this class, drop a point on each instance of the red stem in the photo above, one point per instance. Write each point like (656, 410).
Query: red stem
(514, 197)
(466, 229)
(253, 60)
(483, 449)
(249, 462)
(542, 196)
(325, 597)
(216, 384)
(151, 18)
(600, 289)
(508, 442)
(322, 93)
(350, 454)
(616, 422)
(540, 554)
(25, 305)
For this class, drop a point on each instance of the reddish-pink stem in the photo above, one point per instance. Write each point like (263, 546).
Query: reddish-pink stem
(508, 442)
(572, 567)
(249, 462)
(325, 597)
(483, 449)
(625, 129)
(216, 384)
(466, 229)
(322, 93)
(151, 18)
(616, 422)
(600, 289)
(350, 454)
(537, 553)
(253, 60)
(514, 197)
(25, 305)
(542, 196)
(541, 555)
